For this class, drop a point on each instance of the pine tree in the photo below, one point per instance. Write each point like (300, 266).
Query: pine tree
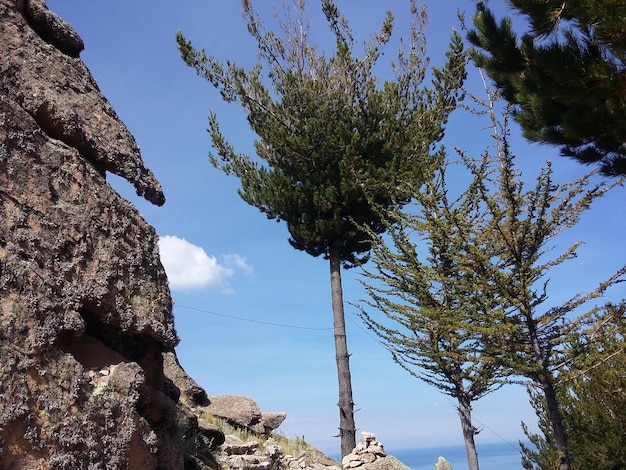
(523, 222)
(566, 76)
(591, 396)
(445, 323)
(331, 132)
(485, 277)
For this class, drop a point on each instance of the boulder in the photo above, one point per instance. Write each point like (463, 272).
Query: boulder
(213, 434)
(388, 462)
(239, 410)
(243, 412)
(272, 421)
(235, 446)
(191, 393)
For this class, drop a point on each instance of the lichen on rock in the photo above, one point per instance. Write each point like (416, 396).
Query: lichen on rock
(85, 307)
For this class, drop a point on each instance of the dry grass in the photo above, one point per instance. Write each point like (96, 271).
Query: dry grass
(297, 447)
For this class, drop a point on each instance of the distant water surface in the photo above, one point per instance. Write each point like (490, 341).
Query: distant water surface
(496, 456)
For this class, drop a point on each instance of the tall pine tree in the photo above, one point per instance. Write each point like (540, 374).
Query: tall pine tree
(522, 223)
(445, 322)
(566, 75)
(474, 310)
(330, 132)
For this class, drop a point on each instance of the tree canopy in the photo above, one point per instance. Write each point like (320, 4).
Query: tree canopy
(566, 75)
(333, 137)
(329, 131)
(445, 324)
(474, 310)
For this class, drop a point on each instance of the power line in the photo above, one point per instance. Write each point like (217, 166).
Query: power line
(349, 316)
(251, 320)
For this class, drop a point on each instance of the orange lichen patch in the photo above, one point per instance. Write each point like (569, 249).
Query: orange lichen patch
(18, 452)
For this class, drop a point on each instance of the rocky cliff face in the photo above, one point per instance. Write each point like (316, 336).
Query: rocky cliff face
(89, 378)
(85, 308)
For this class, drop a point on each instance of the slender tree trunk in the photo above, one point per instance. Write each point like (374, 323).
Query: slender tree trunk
(347, 430)
(469, 431)
(560, 439)
(547, 385)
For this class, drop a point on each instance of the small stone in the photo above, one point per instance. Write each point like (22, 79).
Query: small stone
(443, 464)
(377, 450)
(273, 452)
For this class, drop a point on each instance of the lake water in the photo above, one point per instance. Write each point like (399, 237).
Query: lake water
(496, 456)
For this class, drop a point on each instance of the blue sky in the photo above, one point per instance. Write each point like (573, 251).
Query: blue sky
(253, 314)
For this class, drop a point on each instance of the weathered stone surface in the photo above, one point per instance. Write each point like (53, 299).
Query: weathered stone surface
(214, 435)
(386, 463)
(85, 308)
(236, 454)
(55, 88)
(191, 392)
(367, 451)
(243, 412)
(235, 446)
(271, 421)
(52, 29)
(239, 410)
(88, 373)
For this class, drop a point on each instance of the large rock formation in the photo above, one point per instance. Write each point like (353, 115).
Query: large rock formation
(88, 373)
(85, 308)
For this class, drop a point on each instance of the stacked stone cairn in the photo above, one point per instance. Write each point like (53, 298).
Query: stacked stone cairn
(443, 464)
(367, 450)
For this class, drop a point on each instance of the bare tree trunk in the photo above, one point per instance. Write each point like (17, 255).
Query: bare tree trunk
(560, 439)
(469, 431)
(347, 430)
(546, 382)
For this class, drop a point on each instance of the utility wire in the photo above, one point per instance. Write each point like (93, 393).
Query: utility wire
(251, 320)
(380, 343)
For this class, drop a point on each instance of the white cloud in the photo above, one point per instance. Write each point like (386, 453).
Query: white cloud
(189, 267)
(239, 262)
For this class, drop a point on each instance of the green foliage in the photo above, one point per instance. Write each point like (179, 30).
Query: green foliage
(329, 131)
(517, 262)
(544, 454)
(566, 75)
(333, 138)
(592, 398)
(449, 326)
(472, 312)
(448, 322)
(483, 278)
